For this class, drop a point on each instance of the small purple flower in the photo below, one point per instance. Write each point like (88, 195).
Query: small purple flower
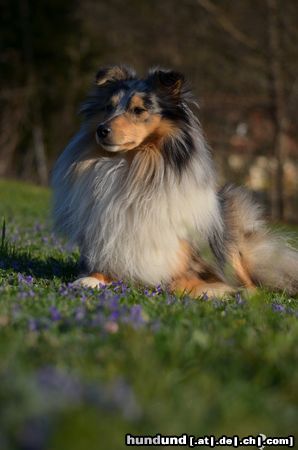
(26, 294)
(80, 314)
(25, 279)
(135, 316)
(124, 398)
(63, 290)
(239, 299)
(125, 289)
(55, 313)
(83, 297)
(170, 299)
(59, 389)
(117, 285)
(54, 382)
(114, 302)
(33, 325)
(277, 307)
(114, 316)
(156, 291)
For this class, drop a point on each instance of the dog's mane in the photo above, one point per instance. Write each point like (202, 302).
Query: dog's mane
(114, 207)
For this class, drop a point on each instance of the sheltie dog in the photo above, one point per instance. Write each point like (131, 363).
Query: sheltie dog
(135, 189)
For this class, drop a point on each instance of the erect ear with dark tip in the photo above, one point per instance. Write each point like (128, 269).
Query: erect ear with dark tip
(168, 80)
(114, 73)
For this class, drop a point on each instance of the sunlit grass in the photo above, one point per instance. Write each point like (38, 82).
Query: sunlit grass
(80, 368)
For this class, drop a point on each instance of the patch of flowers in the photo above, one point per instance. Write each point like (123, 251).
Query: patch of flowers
(49, 391)
(39, 234)
(105, 309)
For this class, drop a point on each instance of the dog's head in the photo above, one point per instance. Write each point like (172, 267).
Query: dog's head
(126, 112)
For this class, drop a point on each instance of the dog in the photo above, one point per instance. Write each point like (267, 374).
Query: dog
(136, 190)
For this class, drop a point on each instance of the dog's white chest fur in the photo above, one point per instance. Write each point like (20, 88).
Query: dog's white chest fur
(131, 226)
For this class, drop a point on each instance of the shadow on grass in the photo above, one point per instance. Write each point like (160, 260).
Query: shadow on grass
(21, 262)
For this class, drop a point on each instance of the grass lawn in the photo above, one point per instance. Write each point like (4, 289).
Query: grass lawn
(81, 368)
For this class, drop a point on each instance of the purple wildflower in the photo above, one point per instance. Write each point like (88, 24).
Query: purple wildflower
(63, 290)
(277, 307)
(25, 279)
(239, 299)
(33, 325)
(55, 313)
(156, 291)
(53, 381)
(61, 389)
(124, 398)
(113, 303)
(170, 299)
(152, 292)
(83, 297)
(136, 317)
(80, 314)
(115, 315)
(26, 294)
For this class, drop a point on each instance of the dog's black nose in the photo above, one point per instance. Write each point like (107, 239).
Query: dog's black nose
(102, 131)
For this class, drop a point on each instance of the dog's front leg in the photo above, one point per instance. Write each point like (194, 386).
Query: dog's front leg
(94, 280)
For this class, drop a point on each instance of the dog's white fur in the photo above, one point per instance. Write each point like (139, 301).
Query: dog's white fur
(127, 226)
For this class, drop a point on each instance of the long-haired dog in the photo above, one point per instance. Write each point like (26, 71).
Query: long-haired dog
(135, 189)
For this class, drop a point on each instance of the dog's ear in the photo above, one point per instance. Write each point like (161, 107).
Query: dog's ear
(168, 81)
(114, 73)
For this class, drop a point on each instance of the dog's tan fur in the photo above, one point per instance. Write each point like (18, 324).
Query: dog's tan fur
(137, 200)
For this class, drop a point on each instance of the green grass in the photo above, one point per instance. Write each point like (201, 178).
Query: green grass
(80, 368)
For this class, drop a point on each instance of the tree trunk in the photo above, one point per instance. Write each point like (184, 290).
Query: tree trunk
(277, 100)
(40, 154)
(32, 86)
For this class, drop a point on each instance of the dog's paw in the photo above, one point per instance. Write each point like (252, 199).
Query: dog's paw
(213, 290)
(90, 282)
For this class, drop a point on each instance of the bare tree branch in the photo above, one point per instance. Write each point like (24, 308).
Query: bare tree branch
(227, 25)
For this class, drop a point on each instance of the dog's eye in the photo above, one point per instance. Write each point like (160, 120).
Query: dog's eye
(137, 110)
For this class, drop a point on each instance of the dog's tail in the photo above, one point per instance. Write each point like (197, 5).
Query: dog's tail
(258, 255)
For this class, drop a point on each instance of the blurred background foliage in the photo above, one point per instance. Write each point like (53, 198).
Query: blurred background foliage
(241, 59)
